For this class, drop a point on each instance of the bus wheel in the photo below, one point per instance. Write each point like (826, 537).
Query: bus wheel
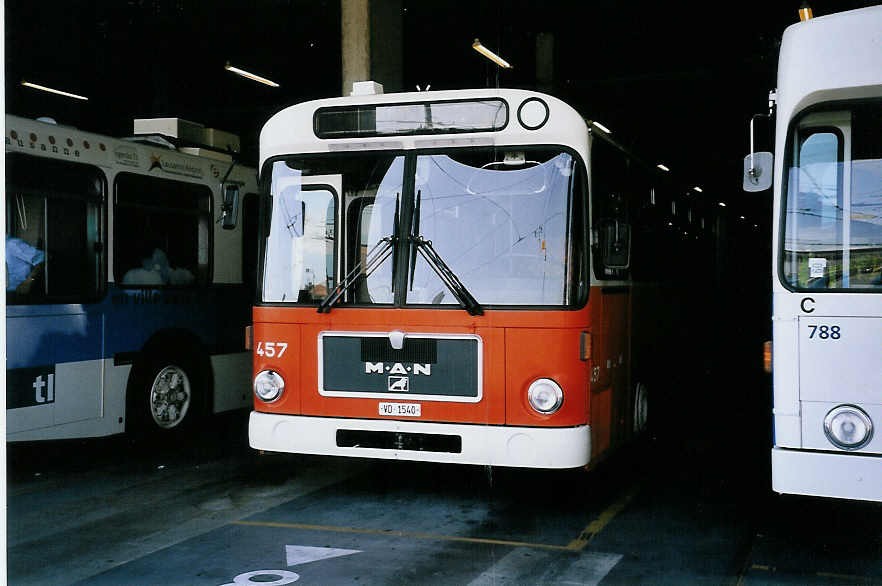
(165, 394)
(641, 408)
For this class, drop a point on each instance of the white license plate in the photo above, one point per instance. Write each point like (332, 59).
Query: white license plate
(400, 409)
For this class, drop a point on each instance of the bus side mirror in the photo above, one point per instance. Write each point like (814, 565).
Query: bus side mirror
(757, 171)
(616, 242)
(230, 207)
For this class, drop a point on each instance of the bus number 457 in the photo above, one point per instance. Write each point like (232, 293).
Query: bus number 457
(825, 332)
(271, 349)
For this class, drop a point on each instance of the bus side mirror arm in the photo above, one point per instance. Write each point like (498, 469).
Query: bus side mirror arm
(758, 166)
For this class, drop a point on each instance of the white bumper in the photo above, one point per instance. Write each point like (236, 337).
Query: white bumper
(496, 445)
(848, 476)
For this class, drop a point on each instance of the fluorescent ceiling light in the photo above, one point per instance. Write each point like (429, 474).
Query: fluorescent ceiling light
(250, 75)
(601, 126)
(477, 46)
(698, 189)
(54, 91)
(662, 167)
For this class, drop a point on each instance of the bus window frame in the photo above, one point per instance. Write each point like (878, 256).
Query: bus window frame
(580, 289)
(101, 204)
(792, 127)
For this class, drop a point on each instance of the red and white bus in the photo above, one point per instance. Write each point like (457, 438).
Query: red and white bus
(465, 276)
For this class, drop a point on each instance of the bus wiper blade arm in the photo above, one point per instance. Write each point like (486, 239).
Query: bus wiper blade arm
(373, 259)
(447, 276)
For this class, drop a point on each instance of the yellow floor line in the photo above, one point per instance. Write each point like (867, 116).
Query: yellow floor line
(597, 525)
(394, 533)
(847, 577)
(577, 544)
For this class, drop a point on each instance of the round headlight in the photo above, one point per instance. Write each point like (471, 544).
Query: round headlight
(268, 385)
(848, 427)
(545, 396)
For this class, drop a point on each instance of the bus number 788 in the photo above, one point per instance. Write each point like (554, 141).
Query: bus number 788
(825, 332)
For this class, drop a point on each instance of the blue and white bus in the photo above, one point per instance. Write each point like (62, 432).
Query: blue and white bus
(129, 264)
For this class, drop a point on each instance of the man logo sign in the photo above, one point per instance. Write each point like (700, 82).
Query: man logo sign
(398, 384)
(397, 368)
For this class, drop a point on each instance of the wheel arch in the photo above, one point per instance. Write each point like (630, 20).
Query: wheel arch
(171, 342)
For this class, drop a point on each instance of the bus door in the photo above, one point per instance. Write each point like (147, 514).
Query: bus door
(611, 238)
(54, 254)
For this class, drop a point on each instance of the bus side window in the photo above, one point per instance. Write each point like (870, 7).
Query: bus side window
(612, 229)
(54, 230)
(161, 232)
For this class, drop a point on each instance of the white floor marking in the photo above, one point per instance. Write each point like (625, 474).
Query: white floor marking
(525, 564)
(303, 554)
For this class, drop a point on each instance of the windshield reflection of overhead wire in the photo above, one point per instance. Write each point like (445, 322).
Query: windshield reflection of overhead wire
(459, 195)
(289, 219)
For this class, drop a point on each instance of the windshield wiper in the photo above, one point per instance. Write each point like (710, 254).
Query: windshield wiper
(444, 272)
(382, 250)
(447, 276)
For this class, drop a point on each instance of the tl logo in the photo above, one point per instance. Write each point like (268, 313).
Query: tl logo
(44, 391)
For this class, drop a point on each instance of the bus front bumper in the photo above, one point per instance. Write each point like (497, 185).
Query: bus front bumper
(496, 445)
(838, 475)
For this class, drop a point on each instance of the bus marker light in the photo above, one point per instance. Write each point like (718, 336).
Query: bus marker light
(249, 337)
(767, 356)
(848, 427)
(545, 396)
(269, 385)
(585, 346)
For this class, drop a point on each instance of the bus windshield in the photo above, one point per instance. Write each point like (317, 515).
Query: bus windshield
(833, 225)
(501, 222)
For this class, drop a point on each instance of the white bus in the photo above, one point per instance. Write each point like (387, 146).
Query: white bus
(827, 286)
(127, 280)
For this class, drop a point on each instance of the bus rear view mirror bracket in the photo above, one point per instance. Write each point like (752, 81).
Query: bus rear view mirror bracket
(757, 171)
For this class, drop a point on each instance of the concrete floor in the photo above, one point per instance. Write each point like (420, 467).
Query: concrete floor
(210, 511)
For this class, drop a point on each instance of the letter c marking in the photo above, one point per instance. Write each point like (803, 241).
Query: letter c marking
(803, 306)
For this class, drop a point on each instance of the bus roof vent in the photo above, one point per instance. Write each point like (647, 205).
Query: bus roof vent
(366, 88)
(185, 134)
(171, 127)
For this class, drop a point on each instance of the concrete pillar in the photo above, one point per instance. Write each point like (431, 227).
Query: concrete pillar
(355, 39)
(371, 40)
(545, 62)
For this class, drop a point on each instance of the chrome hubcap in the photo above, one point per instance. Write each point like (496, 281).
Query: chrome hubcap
(170, 397)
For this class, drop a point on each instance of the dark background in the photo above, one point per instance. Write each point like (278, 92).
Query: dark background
(676, 82)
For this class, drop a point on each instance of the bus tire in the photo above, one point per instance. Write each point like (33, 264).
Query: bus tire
(166, 395)
(641, 408)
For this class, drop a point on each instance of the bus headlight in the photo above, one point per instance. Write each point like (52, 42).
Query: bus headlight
(269, 385)
(545, 396)
(848, 427)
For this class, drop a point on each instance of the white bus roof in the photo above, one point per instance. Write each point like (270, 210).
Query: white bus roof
(43, 139)
(833, 57)
(291, 131)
